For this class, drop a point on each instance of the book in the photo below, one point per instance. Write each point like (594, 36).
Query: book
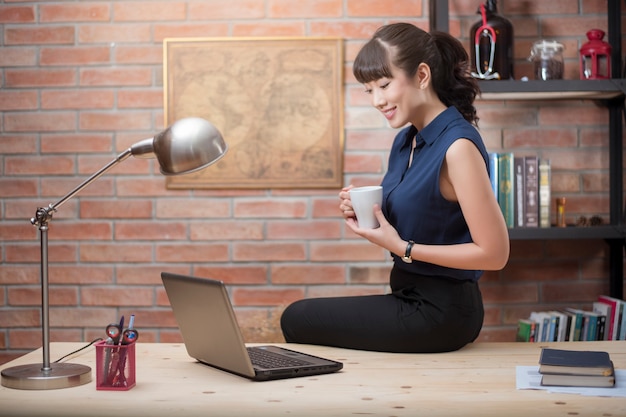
(562, 328)
(531, 186)
(577, 325)
(622, 331)
(575, 362)
(584, 332)
(543, 324)
(568, 330)
(506, 196)
(544, 193)
(597, 321)
(604, 310)
(493, 172)
(601, 330)
(591, 329)
(614, 318)
(525, 330)
(520, 194)
(578, 380)
(553, 330)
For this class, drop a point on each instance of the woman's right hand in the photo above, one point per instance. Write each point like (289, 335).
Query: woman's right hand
(345, 204)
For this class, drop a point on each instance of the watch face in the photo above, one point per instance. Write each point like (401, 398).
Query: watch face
(406, 259)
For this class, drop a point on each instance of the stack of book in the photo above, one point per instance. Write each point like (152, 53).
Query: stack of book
(605, 321)
(521, 185)
(570, 368)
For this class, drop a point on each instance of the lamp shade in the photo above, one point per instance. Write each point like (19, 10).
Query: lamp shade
(188, 145)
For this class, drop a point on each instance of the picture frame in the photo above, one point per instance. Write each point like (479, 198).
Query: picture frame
(278, 102)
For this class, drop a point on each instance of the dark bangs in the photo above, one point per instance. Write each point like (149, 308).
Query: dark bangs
(372, 62)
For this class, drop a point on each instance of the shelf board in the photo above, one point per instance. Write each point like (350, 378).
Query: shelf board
(591, 232)
(552, 89)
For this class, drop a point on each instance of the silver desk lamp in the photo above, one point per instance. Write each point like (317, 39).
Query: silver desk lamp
(188, 145)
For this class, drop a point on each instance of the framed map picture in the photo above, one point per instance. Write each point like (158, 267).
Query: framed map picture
(277, 102)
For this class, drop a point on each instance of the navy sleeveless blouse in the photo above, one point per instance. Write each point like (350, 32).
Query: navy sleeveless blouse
(412, 200)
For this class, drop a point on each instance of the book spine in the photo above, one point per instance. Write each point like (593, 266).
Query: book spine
(612, 311)
(536, 317)
(584, 331)
(619, 318)
(578, 327)
(568, 327)
(606, 309)
(622, 332)
(563, 326)
(506, 197)
(544, 193)
(545, 329)
(592, 328)
(531, 186)
(601, 329)
(520, 200)
(555, 323)
(523, 331)
(493, 173)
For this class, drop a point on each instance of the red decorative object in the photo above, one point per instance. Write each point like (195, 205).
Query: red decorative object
(595, 57)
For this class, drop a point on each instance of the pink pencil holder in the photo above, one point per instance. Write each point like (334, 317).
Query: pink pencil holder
(115, 367)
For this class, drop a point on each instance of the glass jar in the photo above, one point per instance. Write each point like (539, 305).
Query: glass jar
(547, 59)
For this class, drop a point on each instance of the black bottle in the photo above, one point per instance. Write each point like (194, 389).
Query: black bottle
(493, 45)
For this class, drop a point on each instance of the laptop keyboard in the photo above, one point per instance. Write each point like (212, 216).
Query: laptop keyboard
(269, 360)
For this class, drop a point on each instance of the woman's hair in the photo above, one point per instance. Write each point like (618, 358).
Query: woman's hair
(406, 46)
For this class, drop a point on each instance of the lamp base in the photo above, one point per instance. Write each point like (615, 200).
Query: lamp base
(33, 377)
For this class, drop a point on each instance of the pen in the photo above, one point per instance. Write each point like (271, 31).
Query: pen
(128, 336)
(121, 327)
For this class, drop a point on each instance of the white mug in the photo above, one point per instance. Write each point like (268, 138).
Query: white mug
(363, 201)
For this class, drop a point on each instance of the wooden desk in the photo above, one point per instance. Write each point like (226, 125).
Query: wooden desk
(478, 380)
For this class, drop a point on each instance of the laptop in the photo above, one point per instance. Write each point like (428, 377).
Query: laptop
(212, 336)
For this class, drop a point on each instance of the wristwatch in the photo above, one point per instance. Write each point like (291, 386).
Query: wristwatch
(407, 253)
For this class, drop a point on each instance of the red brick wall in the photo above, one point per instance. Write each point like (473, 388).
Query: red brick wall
(81, 81)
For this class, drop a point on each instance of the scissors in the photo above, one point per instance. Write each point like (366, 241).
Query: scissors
(128, 336)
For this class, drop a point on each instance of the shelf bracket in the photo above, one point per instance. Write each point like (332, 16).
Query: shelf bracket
(438, 15)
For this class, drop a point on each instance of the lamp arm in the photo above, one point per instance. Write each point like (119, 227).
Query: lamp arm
(41, 219)
(44, 214)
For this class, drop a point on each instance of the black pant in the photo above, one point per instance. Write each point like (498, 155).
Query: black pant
(422, 314)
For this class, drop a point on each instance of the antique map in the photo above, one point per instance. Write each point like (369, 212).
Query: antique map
(276, 101)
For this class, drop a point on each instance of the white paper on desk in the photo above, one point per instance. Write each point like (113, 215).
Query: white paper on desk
(528, 377)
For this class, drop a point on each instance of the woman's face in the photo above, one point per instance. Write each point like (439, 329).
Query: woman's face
(398, 98)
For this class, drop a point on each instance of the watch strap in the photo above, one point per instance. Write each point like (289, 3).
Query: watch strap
(407, 252)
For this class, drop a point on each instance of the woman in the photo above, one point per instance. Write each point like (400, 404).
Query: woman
(439, 218)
